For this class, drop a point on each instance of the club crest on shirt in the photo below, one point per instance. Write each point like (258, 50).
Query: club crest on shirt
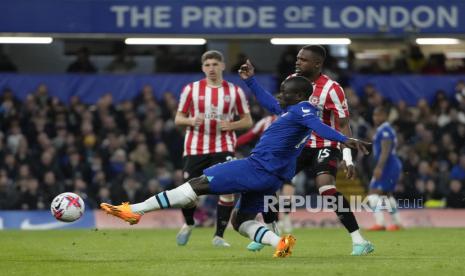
(227, 98)
(313, 100)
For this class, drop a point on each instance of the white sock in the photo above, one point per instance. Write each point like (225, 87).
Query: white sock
(375, 204)
(357, 237)
(182, 196)
(394, 213)
(273, 227)
(258, 232)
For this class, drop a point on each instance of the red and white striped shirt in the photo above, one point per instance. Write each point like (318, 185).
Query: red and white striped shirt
(256, 131)
(330, 99)
(217, 104)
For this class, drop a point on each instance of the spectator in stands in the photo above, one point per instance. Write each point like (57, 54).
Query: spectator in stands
(31, 198)
(458, 171)
(460, 94)
(416, 60)
(456, 196)
(6, 65)
(435, 65)
(82, 64)
(51, 187)
(8, 193)
(121, 63)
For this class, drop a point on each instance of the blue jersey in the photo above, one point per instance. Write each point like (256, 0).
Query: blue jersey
(282, 142)
(386, 132)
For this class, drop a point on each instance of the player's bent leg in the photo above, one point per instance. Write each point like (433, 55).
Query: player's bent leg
(376, 204)
(122, 211)
(361, 249)
(325, 183)
(247, 226)
(271, 220)
(185, 195)
(223, 214)
(286, 222)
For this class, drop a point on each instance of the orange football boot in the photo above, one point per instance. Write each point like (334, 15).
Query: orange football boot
(122, 211)
(284, 247)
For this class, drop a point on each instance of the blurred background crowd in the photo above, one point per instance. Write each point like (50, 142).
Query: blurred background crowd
(114, 152)
(128, 151)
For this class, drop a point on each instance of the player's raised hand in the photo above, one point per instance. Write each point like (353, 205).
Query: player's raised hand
(357, 144)
(349, 170)
(246, 70)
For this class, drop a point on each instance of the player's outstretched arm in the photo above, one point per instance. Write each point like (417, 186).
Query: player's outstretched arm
(247, 72)
(329, 133)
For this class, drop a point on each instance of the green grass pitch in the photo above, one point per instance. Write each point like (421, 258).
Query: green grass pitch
(154, 252)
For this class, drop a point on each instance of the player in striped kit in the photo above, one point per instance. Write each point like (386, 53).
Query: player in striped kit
(207, 109)
(322, 155)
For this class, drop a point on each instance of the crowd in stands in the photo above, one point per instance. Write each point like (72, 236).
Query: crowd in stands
(110, 152)
(131, 150)
(104, 152)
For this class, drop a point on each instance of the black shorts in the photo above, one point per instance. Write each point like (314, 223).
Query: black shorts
(195, 164)
(319, 161)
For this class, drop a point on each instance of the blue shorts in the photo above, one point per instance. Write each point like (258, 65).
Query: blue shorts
(388, 181)
(245, 177)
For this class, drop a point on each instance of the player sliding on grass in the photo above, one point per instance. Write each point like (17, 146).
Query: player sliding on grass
(271, 163)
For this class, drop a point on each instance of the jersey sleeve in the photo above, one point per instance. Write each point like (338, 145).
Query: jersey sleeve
(337, 102)
(242, 105)
(307, 115)
(185, 99)
(386, 134)
(264, 97)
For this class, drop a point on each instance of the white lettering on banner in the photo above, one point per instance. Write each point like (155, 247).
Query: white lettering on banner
(120, 11)
(212, 17)
(424, 17)
(451, 17)
(267, 17)
(376, 17)
(229, 17)
(394, 20)
(143, 17)
(299, 17)
(327, 21)
(245, 17)
(229, 22)
(189, 14)
(162, 16)
(158, 17)
(293, 17)
(355, 12)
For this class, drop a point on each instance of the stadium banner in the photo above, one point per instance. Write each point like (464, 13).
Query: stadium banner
(408, 88)
(233, 17)
(89, 88)
(173, 219)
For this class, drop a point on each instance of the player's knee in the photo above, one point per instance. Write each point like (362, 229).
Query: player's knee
(324, 180)
(227, 200)
(241, 217)
(200, 185)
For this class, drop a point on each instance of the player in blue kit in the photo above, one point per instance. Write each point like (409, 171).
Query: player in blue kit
(271, 163)
(386, 173)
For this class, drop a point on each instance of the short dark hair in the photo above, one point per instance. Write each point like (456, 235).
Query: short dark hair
(302, 84)
(213, 54)
(317, 49)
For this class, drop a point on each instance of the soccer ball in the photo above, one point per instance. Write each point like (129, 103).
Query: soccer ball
(67, 207)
